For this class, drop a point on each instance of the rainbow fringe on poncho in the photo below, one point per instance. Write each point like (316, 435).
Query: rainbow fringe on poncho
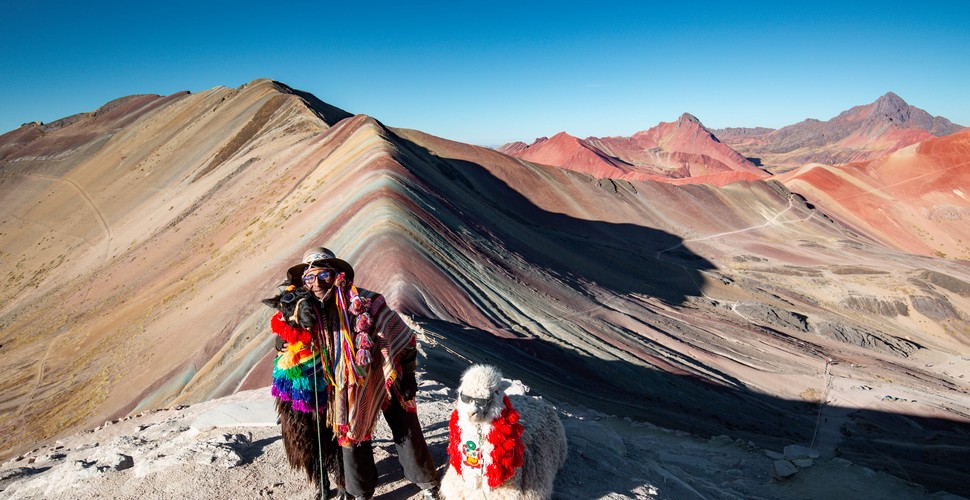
(296, 368)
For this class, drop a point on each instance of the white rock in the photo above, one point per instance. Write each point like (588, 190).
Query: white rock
(516, 388)
(256, 413)
(803, 463)
(220, 456)
(783, 469)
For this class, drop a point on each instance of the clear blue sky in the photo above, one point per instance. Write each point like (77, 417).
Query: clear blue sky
(497, 71)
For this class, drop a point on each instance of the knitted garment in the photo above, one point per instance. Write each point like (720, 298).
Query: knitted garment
(294, 369)
(505, 438)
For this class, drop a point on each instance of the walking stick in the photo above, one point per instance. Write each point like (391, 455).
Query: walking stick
(316, 404)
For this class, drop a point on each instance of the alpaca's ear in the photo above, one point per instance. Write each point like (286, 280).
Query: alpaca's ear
(270, 302)
(504, 384)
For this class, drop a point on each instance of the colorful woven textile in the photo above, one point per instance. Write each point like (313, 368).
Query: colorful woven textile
(355, 407)
(294, 369)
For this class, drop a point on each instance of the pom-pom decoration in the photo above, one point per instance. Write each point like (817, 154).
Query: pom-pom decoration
(363, 341)
(355, 357)
(363, 357)
(363, 324)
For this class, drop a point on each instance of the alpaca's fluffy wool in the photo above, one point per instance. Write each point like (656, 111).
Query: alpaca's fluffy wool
(543, 442)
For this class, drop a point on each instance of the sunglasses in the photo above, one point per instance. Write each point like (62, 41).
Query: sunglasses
(322, 276)
(477, 401)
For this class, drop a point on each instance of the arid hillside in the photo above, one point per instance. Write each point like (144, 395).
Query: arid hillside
(137, 241)
(914, 199)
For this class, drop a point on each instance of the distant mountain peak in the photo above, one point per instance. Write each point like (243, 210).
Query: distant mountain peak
(562, 136)
(861, 133)
(892, 107)
(892, 97)
(688, 118)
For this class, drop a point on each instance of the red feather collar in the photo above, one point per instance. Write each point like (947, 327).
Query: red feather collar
(507, 447)
(288, 333)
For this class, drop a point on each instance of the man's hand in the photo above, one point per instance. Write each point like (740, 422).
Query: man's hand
(409, 386)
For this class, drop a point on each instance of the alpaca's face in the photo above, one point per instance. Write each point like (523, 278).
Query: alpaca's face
(481, 394)
(296, 306)
(480, 409)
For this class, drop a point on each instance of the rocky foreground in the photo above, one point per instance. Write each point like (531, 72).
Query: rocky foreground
(231, 448)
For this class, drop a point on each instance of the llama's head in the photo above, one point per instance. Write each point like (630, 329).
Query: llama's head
(481, 394)
(297, 305)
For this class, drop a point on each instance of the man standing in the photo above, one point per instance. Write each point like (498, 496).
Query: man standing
(370, 357)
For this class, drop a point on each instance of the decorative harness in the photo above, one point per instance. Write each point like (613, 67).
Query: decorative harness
(507, 447)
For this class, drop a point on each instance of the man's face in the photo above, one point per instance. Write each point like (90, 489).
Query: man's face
(319, 280)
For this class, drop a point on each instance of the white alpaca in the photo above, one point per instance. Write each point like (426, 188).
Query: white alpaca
(494, 453)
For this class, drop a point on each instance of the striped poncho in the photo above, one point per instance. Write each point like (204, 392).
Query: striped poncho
(352, 387)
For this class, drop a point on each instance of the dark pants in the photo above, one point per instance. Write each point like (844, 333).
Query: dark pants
(360, 472)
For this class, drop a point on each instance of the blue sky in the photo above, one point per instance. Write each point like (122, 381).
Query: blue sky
(498, 71)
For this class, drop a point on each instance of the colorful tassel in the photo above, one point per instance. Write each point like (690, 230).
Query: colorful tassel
(295, 369)
(363, 324)
(363, 341)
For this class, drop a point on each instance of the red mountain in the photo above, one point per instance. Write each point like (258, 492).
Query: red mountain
(564, 150)
(914, 199)
(683, 152)
(859, 134)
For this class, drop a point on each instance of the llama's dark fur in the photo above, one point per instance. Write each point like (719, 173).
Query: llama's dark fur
(300, 442)
(300, 429)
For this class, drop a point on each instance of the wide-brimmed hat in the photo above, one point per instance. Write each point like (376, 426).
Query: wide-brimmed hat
(318, 257)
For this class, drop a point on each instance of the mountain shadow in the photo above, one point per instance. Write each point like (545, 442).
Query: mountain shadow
(328, 113)
(622, 258)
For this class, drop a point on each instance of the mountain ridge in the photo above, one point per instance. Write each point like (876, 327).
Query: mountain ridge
(924, 182)
(683, 151)
(861, 133)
